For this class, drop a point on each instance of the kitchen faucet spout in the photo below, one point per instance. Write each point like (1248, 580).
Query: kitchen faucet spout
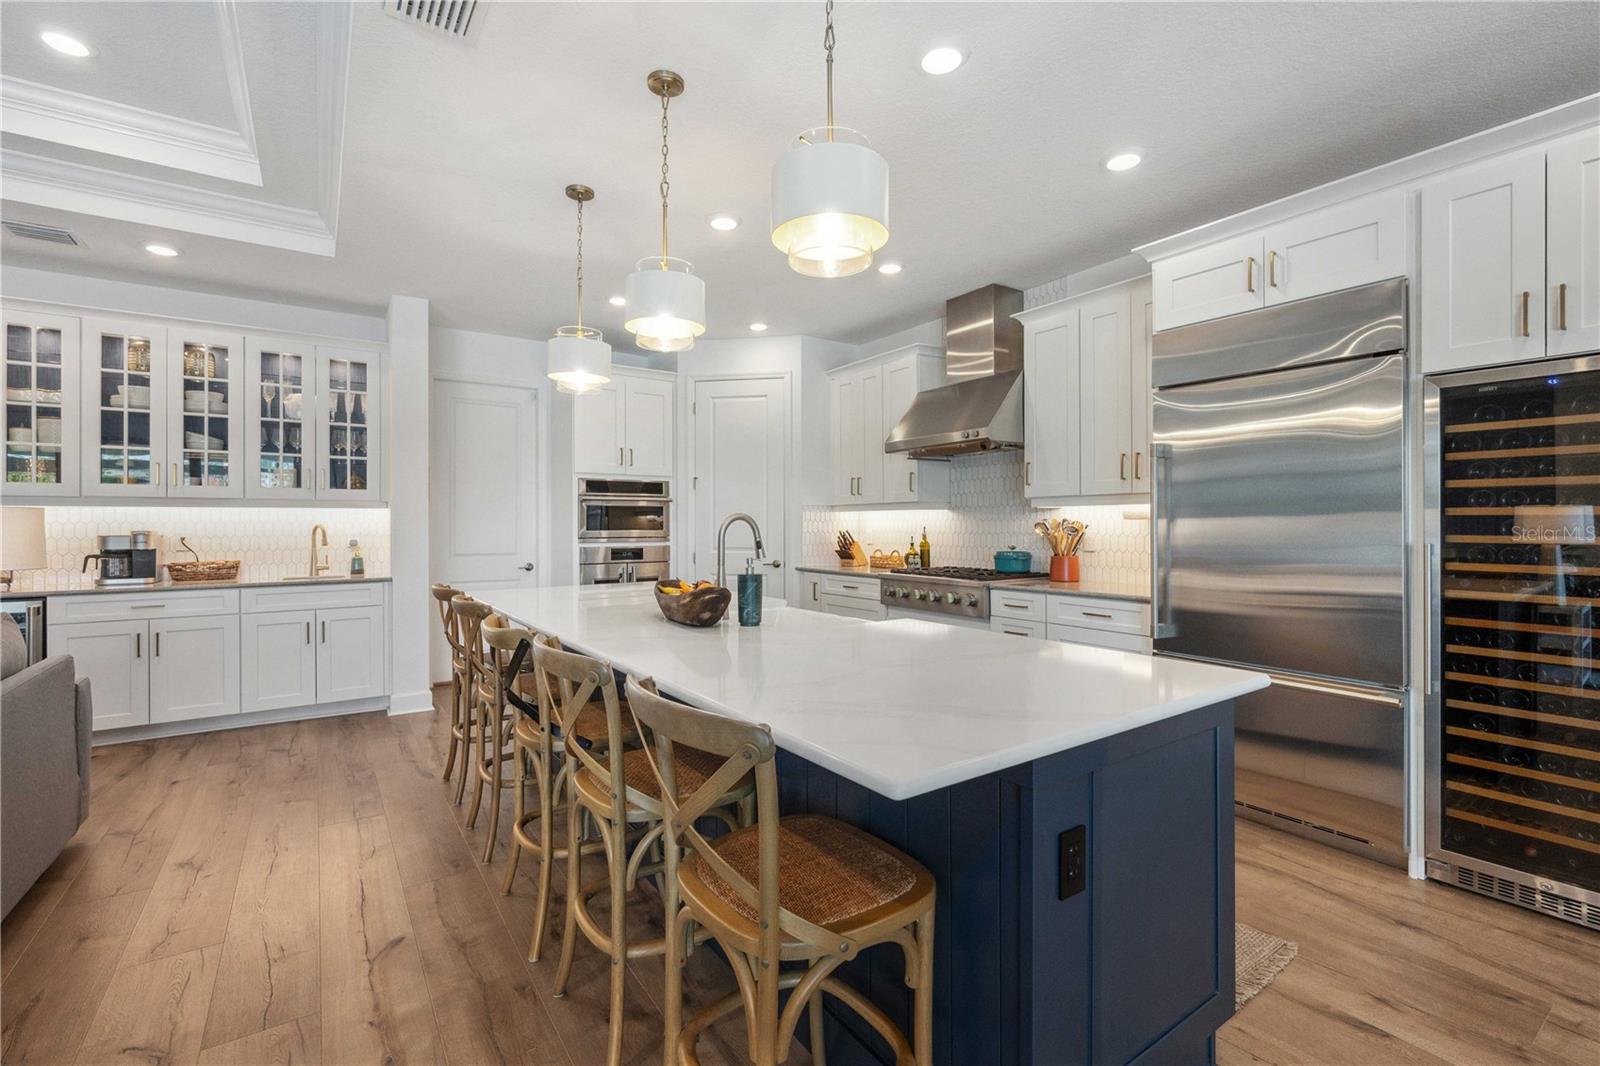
(722, 536)
(318, 567)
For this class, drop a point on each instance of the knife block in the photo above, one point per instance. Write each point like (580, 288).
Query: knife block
(856, 558)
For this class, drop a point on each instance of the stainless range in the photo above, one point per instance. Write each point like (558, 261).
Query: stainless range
(949, 593)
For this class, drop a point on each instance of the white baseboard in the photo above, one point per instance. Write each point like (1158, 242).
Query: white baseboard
(237, 721)
(410, 702)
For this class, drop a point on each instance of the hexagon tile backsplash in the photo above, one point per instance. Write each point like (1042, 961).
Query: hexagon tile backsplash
(988, 511)
(269, 542)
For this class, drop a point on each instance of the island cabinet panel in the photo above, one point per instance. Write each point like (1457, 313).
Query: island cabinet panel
(1136, 966)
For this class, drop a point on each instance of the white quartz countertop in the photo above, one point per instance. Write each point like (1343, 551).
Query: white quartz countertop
(900, 707)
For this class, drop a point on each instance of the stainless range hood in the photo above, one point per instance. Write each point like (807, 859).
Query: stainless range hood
(980, 410)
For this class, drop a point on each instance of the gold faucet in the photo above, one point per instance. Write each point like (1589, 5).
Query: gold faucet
(316, 567)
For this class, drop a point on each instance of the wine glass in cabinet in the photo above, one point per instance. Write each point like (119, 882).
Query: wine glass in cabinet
(204, 444)
(279, 392)
(349, 412)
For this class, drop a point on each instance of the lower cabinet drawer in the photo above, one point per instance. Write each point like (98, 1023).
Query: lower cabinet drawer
(142, 606)
(848, 587)
(1017, 606)
(1111, 615)
(1017, 627)
(1099, 638)
(292, 597)
(849, 607)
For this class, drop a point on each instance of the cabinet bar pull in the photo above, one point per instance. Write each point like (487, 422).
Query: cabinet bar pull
(308, 632)
(1136, 456)
(630, 456)
(620, 461)
(1525, 295)
(1272, 269)
(155, 470)
(1097, 614)
(813, 592)
(852, 588)
(174, 475)
(324, 632)
(1561, 300)
(1016, 632)
(1250, 273)
(158, 644)
(1015, 606)
(1027, 473)
(1122, 467)
(911, 481)
(138, 645)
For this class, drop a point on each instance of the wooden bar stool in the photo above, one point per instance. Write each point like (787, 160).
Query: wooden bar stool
(459, 686)
(496, 677)
(622, 796)
(469, 615)
(805, 888)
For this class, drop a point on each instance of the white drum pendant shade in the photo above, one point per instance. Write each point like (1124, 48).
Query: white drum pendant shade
(666, 307)
(830, 204)
(579, 360)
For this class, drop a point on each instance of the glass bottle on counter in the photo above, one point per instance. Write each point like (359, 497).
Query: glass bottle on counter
(927, 558)
(913, 556)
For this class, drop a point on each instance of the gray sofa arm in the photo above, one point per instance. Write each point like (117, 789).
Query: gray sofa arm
(41, 798)
(85, 722)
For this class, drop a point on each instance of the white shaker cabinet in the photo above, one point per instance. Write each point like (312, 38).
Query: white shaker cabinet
(280, 432)
(194, 668)
(847, 417)
(1573, 244)
(1210, 282)
(350, 643)
(114, 656)
(1339, 247)
(278, 660)
(44, 386)
(624, 427)
(205, 441)
(1105, 448)
(348, 423)
(1483, 263)
(866, 401)
(1050, 376)
(1142, 302)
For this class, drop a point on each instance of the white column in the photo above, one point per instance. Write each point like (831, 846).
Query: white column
(410, 608)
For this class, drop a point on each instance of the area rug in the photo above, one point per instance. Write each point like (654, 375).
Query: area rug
(1259, 957)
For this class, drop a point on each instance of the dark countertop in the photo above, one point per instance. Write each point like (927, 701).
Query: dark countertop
(87, 586)
(1094, 588)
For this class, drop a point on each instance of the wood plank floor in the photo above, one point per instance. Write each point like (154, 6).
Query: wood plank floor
(306, 893)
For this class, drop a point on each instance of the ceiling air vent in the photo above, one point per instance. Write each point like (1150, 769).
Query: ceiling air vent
(451, 16)
(34, 231)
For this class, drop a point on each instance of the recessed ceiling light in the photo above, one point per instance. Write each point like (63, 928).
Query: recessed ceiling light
(723, 222)
(619, 301)
(67, 46)
(888, 268)
(942, 60)
(165, 251)
(758, 327)
(1123, 161)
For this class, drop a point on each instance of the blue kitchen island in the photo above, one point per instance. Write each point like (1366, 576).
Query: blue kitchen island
(1074, 804)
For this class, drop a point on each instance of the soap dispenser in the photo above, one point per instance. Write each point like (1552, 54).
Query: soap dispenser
(358, 565)
(749, 595)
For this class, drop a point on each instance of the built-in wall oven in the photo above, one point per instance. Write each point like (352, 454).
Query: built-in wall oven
(1512, 720)
(611, 509)
(614, 564)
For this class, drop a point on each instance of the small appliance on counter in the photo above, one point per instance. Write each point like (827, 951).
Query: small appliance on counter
(125, 559)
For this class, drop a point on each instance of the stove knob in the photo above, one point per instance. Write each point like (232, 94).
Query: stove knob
(972, 599)
(918, 594)
(952, 597)
(901, 592)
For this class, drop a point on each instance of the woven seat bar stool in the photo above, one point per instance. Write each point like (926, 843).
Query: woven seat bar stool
(800, 889)
(459, 684)
(495, 719)
(621, 795)
(470, 614)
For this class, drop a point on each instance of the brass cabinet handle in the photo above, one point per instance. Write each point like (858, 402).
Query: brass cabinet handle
(174, 475)
(1272, 269)
(1561, 301)
(1123, 467)
(1027, 473)
(1250, 273)
(911, 481)
(1525, 295)
(155, 469)
(1136, 474)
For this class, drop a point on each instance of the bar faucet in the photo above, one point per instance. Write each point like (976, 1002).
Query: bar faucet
(722, 535)
(318, 567)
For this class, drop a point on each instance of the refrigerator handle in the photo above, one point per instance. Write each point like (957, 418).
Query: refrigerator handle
(1159, 626)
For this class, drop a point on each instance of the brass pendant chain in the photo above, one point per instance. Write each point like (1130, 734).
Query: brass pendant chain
(665, 184)
(827, 46)
(580, 268)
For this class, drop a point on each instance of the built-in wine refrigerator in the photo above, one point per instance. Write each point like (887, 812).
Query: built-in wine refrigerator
(1513, 692)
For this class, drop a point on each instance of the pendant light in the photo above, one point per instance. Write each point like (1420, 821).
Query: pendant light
(580, 359)
(666, 300)
(830, 195)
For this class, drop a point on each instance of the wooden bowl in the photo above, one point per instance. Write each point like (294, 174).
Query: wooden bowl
(703, 608)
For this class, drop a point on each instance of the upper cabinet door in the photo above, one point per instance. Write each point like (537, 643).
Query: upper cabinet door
(43, 390)
(597, 421)
(1105, 438)
(1141, 307)
(847, 439)
(205, 445)
(349, 412)
(869, 489)
(1573, 244)
(899, 470)
(125, 389)
(1219, 279)
(280, 430)
(1483, 242)
(1343, 246)
(1050, 407)
(647, 416)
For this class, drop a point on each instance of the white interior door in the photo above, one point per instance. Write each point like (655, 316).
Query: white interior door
(483, 491)
(741, 462)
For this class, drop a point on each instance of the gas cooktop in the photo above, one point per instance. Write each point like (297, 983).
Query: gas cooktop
(964, 573)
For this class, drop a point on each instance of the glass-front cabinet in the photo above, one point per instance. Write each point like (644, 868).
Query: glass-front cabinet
(281, 447)
(203, 442)
(42, 404)
(348, 411)
(125, 393)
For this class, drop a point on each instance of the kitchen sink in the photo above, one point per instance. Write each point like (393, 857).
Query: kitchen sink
(328, 577)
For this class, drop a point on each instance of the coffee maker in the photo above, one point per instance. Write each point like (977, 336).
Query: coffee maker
(125, 559)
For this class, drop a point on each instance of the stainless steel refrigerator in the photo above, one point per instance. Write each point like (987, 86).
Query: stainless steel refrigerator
(1512, 723)
(1278, 529)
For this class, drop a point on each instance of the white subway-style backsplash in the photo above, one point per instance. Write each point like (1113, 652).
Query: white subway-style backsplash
(988, 511)
(269, 542)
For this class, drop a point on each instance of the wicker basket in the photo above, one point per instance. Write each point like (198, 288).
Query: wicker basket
(216, 570)
(703, 608)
